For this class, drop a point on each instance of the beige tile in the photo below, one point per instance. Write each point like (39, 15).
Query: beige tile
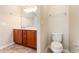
(17, 49)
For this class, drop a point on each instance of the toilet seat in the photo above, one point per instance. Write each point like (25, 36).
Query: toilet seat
(56, 47)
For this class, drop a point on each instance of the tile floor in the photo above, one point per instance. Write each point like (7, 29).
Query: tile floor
(17, 49)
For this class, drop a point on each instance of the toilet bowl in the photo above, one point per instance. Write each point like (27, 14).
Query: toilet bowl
(56, 45)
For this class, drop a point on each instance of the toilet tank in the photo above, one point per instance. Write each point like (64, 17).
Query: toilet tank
(57, 37)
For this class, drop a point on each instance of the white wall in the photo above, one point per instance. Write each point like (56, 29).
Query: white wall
(9, 19)
(74, 28)
(58, 21)
(43, 28)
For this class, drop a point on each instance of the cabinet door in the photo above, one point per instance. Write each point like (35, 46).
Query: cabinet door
(25, 37)
(18, 36)
(31, 38)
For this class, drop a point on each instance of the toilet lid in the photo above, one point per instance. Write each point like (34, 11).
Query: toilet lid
(56, 46)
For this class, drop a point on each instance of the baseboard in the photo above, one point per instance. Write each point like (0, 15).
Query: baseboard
(66, 51)
(6, 45)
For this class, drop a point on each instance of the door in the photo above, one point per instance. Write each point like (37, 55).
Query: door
(31, 38)
(17, 36)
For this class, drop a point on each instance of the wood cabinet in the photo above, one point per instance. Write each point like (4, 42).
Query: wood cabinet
(31, 38)
(18, 36)
(25, 37)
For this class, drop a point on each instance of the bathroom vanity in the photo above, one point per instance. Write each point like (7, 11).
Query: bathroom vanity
(25, 37)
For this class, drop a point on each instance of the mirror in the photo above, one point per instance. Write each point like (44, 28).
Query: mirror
(29, 16)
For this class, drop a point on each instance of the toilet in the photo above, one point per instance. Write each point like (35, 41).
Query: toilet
(56, 44)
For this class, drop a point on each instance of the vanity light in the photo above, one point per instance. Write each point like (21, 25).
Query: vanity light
(30, 9)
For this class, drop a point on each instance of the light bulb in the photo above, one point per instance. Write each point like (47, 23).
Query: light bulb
(31, 9)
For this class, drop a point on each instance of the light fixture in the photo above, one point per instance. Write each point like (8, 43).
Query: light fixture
(30, 9)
